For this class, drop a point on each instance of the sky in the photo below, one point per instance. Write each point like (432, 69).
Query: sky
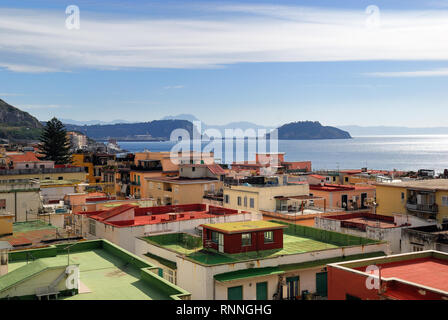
(270, 62)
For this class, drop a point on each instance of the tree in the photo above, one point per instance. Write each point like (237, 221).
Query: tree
(54, 143)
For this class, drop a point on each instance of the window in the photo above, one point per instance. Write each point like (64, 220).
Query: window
(176, 189)
(205, 187)
(193, 169)
(268, 237)
(334, 178)
(402, 196)
(92, 227)
(417, 247)
(245, 201)
(346, 179)
(226, 198)
(445, 201)
(239, 201)
(214, 237)
(170, 275)
(252, 203)
(246, 239)
(60, 178)
(27, 165)
(2, 203)
(42, 166)
(151, 185)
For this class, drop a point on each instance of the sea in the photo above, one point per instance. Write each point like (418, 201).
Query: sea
(387, 152)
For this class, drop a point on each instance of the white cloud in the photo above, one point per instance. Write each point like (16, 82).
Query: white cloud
(40, 106)
(258, 33)
(174, 87)
(410, 74)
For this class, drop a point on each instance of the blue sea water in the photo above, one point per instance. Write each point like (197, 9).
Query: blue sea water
(410, 152)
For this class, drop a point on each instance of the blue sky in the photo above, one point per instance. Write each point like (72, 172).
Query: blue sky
(268, 62)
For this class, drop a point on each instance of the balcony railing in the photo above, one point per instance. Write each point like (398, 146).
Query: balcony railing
(431, 208)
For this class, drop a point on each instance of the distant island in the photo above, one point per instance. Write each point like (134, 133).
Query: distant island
(309, 130)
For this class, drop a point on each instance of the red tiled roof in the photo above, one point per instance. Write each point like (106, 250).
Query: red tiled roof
(26, 157)
(317, 176)
(113, 212)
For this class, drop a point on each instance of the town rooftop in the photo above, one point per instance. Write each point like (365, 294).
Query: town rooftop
(297, 239)
(107, 272)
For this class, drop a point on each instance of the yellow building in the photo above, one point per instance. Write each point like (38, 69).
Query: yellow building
(173, 191)
(6, 220)
(427, 199)
(261, 198)
(73, 173)
(94, 165)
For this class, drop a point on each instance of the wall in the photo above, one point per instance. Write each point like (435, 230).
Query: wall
(263, 196)
(389, 200)
(342, 282)
(17, 203)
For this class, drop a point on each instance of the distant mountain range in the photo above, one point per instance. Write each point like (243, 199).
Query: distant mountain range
(16, 124)
(91, 122)
(143, 131)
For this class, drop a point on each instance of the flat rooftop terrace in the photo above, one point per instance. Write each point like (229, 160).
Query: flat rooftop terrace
(108, 272)
(30, 233)
(431, 272)
(296, 239)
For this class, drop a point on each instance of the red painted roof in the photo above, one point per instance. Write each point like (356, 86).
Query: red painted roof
(430, 272)
(317, 176)
(26, 157)
(113, 212)
(339, 187)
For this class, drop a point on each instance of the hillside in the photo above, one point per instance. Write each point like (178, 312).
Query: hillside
(310, 130)
(154, 130)
(16, 124)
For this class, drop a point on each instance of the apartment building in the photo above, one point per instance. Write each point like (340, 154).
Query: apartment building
(427, 199)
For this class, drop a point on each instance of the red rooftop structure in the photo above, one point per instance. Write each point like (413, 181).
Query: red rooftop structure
(410, 276)
(245, 236)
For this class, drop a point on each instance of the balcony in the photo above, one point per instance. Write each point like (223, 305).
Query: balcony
(426, 208)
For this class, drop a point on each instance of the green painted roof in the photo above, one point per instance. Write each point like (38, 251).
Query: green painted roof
(242, 226)
(26, 272)
(19, 227)
(248, 273)
(323, 262)
(107, 272)
(170, 264)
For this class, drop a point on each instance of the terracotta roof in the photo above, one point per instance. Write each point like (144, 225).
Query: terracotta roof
(113, 212)
(26, 157)
(317, 176)
(216, 169)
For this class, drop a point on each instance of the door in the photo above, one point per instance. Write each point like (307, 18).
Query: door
(220, 242)
(293, 287)
(363, 200)
(235, 293)
(344, 201)
(262, 291)
(321, 284)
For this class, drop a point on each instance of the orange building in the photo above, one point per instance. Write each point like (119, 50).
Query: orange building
(347, 197)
